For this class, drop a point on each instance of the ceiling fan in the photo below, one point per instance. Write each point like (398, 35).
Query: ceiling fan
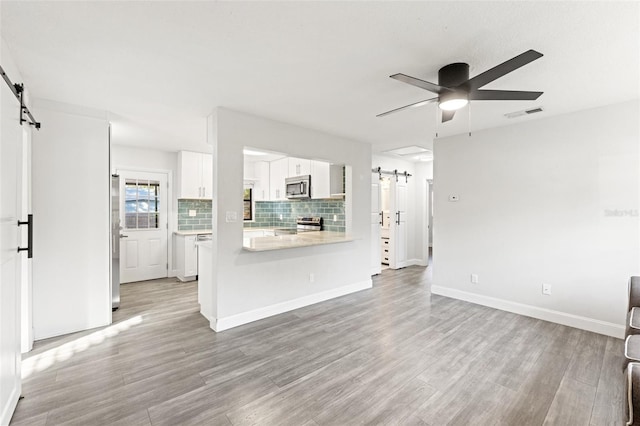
(455, 89)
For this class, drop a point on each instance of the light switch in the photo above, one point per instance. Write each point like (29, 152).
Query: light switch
(192, 213)
(232, 216)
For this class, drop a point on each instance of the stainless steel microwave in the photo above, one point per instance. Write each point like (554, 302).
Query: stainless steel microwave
(298, 187)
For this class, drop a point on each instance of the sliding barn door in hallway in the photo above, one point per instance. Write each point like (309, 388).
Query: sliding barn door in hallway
(398, 226)
(10, 260)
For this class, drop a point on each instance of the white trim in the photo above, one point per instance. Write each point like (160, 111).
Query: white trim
(418, 262)
(226, 323)
(10, 408)
(576, 321)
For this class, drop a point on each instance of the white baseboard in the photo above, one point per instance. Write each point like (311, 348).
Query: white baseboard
(576, 321)
(416, 262)
(10, 407)
(226, 323)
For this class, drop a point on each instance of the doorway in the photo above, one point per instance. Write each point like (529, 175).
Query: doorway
(144, 225)
(389, 201)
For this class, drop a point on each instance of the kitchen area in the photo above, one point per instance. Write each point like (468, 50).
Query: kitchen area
(291, 202)
(261, 227)
(288, 202)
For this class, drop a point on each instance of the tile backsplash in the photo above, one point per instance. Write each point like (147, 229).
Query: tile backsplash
(202, 220)
(268, 213)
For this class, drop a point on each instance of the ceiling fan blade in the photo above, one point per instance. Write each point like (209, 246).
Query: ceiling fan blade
(420, 83)
(502, 69)
(417, 104)
(447, 115)
(503, 95)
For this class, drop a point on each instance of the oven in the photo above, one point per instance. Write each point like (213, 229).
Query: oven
(308, 224)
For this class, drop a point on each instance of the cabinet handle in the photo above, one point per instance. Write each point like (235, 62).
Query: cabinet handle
(381, 219)
(204, 192)
(398, 217)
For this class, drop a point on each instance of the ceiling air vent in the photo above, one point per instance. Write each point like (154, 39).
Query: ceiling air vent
(523, 112)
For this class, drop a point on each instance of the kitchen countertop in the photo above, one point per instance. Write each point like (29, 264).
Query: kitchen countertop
(296, 240)
(195, 232)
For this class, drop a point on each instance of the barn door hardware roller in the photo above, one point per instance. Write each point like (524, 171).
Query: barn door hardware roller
(18, 92)
(395, 173)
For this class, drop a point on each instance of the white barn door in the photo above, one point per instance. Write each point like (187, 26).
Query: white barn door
(398, 226)
(10, 259)
(143, 239)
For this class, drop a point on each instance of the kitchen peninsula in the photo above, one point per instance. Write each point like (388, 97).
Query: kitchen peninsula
(287, 241)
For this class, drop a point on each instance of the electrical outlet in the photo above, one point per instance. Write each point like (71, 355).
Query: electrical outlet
(312, 277)
(232, 216)
(546, 289)
(474, 278)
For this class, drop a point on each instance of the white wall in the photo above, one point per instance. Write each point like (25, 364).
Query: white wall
(143, 158)
(253, 283)
(534, 208)
(71, 187)
(152, 160)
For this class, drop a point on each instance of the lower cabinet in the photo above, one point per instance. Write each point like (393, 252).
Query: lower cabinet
(186, 257)
(384, 250)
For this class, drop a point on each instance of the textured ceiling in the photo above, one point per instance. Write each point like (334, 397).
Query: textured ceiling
(161, 67)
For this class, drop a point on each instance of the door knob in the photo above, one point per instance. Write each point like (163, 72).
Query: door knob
(124, 236)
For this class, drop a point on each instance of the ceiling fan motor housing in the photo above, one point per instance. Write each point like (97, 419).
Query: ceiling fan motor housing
(453, 75)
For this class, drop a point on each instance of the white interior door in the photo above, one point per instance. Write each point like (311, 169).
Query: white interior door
(376, 215)
(27, 266)
(10, 264)
(398, 226)
(143, 215)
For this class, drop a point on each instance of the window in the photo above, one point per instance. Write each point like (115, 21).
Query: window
(141, 204)
(248, 204)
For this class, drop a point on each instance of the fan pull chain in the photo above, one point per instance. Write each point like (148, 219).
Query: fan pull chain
(469, 119)
(437, 122)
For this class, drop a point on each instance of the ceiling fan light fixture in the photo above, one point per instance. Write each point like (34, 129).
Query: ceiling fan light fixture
(453, 104)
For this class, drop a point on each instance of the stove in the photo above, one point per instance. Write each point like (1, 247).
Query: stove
(308, 224)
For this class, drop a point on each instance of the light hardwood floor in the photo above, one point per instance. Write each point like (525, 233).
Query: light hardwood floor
(394, 354)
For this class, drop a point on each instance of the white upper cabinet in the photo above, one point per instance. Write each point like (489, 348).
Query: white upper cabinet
(299, 167)
(261, 181)
(278, 172)
(320, 179)
(207, 176)
(195, 175)
(337, 180)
